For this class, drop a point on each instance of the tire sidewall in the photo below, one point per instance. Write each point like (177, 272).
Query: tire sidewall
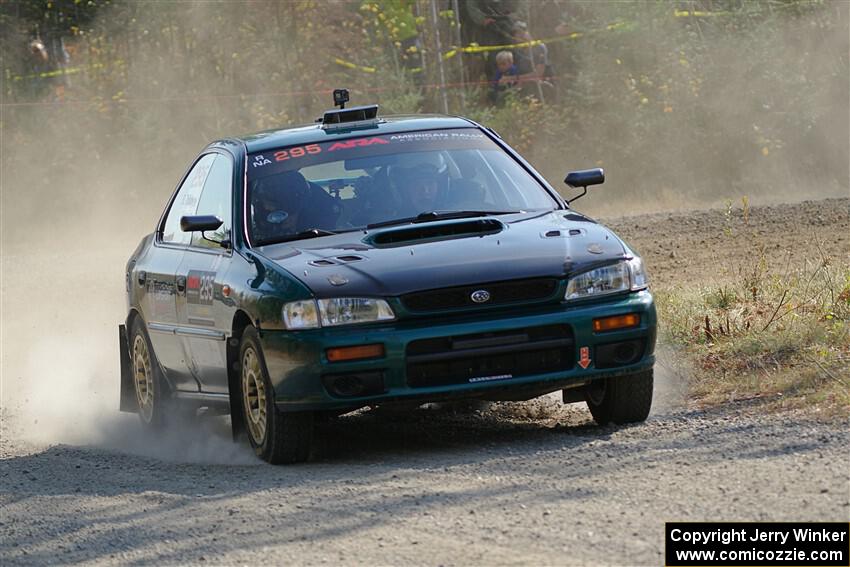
(624, 399)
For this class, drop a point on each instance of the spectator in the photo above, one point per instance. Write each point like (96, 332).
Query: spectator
(506, 75)
(532, 62)
(485, 22)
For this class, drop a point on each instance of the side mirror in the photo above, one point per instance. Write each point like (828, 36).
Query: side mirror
(584, 178)
(200, 223)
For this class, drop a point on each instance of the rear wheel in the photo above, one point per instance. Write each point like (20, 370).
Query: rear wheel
(151, 393)
(277, 437)
(620, 399)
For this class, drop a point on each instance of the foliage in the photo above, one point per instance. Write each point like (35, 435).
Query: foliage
(775, 333)
(751, 98)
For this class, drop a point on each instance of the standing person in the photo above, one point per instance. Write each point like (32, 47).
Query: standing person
(38, 66)
(485, 22)
(532, 63)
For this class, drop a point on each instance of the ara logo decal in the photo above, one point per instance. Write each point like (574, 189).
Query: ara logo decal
(584, 357)
(260, 161)
(199, 287)
(358, 143)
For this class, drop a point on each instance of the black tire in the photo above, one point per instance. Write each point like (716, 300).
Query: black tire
(286, 437)
(153, 396)
(621, 399)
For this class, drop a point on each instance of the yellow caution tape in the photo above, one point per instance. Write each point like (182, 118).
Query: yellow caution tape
(698, 13)
(472, 48)
(60, 72)
(475, 48)
(351, 65)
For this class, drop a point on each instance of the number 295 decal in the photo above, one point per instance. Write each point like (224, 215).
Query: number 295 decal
(298, 152)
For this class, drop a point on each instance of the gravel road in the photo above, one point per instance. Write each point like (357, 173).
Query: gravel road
(533, 483)
(434, 488)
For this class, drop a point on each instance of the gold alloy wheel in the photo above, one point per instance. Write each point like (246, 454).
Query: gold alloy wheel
(143, 377)
(254, 395)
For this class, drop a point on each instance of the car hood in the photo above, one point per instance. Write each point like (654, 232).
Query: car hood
(522, 245)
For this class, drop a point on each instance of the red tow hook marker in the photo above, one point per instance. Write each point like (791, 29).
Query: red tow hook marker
(584, 357)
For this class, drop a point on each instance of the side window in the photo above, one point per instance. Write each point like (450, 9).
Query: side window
(186, 201)
(216, 199)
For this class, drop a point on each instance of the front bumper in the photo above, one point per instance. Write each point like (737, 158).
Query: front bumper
(300, 371)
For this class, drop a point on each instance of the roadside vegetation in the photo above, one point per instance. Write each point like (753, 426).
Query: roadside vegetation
(685, 103)
(773, 331)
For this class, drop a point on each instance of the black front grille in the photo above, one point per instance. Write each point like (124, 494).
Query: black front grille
(501, 293)
(489, 357)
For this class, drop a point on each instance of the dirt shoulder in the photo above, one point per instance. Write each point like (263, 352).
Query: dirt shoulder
(704, 247)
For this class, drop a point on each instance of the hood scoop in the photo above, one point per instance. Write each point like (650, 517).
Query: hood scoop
(578, 218)
(442, 231)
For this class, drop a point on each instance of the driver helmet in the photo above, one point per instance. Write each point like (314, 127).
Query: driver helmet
(419, 179)
(276, 200)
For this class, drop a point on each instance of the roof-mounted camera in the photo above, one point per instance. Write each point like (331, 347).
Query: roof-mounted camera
(341, 96)
(348, 118)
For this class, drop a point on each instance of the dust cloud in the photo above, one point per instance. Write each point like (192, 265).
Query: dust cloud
(81, 182)
(720, 109)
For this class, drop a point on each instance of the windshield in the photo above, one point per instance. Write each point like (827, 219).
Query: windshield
(336, 186)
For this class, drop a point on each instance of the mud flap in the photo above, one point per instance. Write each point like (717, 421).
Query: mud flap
(128, 392)
(234, 387)
(237, 413)
(574, 394)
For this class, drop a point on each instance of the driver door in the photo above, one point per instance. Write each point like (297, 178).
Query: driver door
(204, 313)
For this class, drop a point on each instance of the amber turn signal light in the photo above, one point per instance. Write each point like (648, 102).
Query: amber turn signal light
(341, 354)
(616, 322)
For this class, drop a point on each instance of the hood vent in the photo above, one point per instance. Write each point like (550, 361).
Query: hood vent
(479, 227)
(557, 233)
(325, 262)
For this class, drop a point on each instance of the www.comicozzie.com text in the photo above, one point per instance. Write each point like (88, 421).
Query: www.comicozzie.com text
(756, 534)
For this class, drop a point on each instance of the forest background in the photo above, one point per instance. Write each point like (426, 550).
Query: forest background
(686, 104)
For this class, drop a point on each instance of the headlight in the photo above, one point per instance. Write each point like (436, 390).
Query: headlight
(310, 314)
(352, 310)
(608, 279)
(639, 278)
(622, 276)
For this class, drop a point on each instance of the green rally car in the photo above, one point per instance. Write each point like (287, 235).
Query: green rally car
(370, 261)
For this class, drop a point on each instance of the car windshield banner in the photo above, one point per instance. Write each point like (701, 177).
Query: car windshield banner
(366, 151)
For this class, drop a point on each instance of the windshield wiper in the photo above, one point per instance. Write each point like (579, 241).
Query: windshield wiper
(304, 234)
(439, 215)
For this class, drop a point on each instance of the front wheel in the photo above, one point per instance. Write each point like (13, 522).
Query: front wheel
(621, 399)
(277, 437)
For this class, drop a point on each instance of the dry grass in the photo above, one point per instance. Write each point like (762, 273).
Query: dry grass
(782, 334)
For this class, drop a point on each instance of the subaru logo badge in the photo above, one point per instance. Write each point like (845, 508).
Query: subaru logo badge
(480, 296)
